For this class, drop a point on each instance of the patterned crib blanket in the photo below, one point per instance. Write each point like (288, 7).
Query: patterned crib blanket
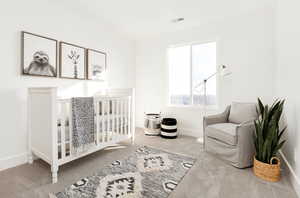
(83, 135)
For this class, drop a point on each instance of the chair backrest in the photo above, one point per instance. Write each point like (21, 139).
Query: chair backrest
(242, 112)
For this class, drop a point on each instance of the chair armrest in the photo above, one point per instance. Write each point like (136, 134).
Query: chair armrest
(245, 143)
(214, 119)
(246, 123)
(245, 128)
(218, 118)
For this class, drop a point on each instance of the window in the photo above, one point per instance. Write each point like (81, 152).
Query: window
(189, 66)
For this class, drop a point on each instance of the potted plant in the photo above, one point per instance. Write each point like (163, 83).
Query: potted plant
(267, 141)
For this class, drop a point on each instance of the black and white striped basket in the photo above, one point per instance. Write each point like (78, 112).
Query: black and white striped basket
(168, 128)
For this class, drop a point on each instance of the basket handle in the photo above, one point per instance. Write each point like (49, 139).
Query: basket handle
(276, 158)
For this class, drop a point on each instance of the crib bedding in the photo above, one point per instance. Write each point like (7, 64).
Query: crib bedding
(83, 123)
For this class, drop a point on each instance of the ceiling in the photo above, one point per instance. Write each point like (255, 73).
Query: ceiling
(140, 18)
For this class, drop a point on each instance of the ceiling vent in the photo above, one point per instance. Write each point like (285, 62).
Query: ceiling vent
(177, 20)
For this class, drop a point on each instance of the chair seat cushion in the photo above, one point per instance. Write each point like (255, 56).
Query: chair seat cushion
(225, 132)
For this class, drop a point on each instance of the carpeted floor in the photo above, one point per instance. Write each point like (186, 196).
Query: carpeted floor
(208, 178)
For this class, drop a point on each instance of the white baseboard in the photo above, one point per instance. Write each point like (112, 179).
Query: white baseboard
(193, 132)
(292, 175)
(13, 161)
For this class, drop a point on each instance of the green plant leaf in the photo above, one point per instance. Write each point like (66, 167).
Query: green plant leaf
(260, 105)
(281, 132)
(279, 147)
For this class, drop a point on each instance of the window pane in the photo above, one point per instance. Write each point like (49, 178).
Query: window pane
(203, 66)
(179, 75)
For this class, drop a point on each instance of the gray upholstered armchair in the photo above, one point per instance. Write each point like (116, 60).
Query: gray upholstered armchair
(229, 135)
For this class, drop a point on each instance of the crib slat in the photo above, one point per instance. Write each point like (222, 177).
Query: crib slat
(70, 128)
(118, 116)
(113, 119)
(121, 115)
(102, 119)
(125, 116)
(105, 120)
(108, 121)
(97, 119)
(59, 129)
(129, 116)
(63, 131)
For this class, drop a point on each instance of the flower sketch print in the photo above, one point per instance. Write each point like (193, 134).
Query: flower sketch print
(74, 57)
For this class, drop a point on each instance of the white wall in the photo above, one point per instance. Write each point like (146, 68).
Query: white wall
(245, 45)
(53, 19)
(288, 59)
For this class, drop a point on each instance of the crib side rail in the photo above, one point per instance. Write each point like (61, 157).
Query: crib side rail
(113, 118)
(113, 123)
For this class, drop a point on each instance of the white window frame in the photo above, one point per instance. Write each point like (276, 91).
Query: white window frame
(200, 106)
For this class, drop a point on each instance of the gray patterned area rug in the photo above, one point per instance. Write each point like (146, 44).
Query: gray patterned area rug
(147, 172)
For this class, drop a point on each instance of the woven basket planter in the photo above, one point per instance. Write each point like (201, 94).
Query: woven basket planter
(268, 172)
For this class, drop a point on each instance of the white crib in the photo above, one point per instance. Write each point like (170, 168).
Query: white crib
(50, 125)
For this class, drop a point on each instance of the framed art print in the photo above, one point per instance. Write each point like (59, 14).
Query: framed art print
(39, 55)
(96, 65)
(72, 61)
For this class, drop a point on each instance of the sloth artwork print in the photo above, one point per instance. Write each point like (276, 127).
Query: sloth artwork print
(39, 55)
(40, 65)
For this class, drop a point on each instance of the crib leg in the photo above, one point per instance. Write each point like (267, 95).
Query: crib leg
(30, 157)
(54, 170)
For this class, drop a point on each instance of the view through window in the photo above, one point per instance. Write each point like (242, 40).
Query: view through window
(189, 65)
